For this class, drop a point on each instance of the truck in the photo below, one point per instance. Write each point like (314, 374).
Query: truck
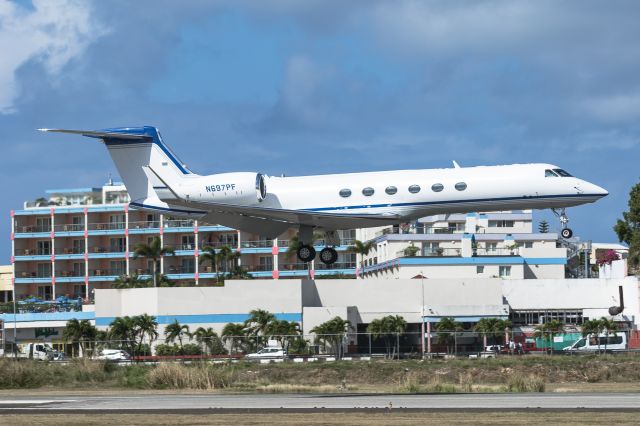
(602, 342)
(39, 351)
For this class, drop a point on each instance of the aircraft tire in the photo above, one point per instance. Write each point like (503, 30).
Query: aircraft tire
(566, 233)
(306, 253)
(328, 256)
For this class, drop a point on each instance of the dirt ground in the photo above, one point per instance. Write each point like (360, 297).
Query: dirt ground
(364, 419)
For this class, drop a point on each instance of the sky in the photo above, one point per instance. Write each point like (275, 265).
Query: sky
(327, 86)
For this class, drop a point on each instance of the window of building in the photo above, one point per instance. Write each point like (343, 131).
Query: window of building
(116, 221)
(480, 269)
(153, 220)
(550, 173)
(505, 271)
(188, 242)
(78, 269)
(188, 266)
(391, 190)
(562, 173)
(501, 223)
(78, 246)
(118, 267)
(43, 224)
(414, 189)
(43, 247)
(344, 193)
(492, 247)
(117, 245)
(368, 191)
(437, 187)
(527, 244)
(461, 186)
(266, 263)
(44, 292)
(79, 290)
(43, 270)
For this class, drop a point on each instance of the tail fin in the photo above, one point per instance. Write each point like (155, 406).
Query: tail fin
(132, 149)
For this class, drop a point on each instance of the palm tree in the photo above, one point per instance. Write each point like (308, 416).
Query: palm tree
(129, 281)
(209, 339)
(79, 332)
(283, 331)
(209, 255)
(491, 327)
(388, 328)
(361, 249)
(549, 329)
(608, 326)
(233, 333)
(258, 321)
(123, 330)
(153, 251)
(175, 330)
(225, 253)
(145, 326)
(445, 327)
(592, 327)
(333, 333)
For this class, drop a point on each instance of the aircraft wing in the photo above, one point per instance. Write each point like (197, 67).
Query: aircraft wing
(220, 213)
(101, 135)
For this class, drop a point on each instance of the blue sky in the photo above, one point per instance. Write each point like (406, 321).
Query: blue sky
(327, 86)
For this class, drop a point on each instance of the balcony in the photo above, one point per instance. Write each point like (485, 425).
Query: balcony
(106, 272)
(102, 249)
(258, 268)
(70, 273)
(299, 266)
(69, 227)
(338, 265)
(70, 250)
(257, 244)
(144, 225)
(33, 252)
(36, 305)
(32, 229)
(178, 223)
(105, 226)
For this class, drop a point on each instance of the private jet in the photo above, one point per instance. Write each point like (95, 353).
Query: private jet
(158, 181)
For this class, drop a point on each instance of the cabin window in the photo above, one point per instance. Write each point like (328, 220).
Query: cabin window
(344, 193)
(461, 186)
(562, 173)
(437, 187)
(414, 189)
(550, 173)
(391, 190)
(368, 191)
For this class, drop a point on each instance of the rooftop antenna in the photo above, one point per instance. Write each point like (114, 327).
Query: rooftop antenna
(110, 181)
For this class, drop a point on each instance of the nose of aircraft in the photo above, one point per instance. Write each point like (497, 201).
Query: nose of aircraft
(592, 189)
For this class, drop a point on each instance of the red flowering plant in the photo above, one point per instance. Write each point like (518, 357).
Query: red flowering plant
(606, 257)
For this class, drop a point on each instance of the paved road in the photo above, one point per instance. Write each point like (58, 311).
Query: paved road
(160, 403)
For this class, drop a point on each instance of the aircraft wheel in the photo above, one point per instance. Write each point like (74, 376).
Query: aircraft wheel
(306, 253)
(328, 256)
(566, 233)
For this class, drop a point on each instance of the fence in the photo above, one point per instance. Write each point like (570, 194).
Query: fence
(404, 345)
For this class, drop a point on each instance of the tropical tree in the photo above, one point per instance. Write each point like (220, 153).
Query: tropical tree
(628, 228)
(446, 328)
(258, 321)
(209, 340)
(361, 249)
(145, 326)
(333, 332)
(79, 333)
(209, 255)
(549, 329)
(175, 330)
(388, 328)
(130, 281)
(123, 331)
(164, 281)
(233, 334)
(491, 328)
(224, 254)
(283, 331)
(608, 327)
(153, 251)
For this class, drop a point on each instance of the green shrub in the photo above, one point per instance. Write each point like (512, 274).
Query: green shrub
(167, 350)
(190, 349)
(200, 376)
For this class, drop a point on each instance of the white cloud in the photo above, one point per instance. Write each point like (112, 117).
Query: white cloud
(615, 108)
(52, 33)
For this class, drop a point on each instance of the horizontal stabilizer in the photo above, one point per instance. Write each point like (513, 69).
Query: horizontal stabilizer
(98, 134)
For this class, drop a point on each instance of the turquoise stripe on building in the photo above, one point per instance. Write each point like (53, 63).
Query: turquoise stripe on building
(48, 316)
(205, 318)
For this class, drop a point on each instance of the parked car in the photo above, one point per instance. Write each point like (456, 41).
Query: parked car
(267, 353)
(494, 348)
(113, 355)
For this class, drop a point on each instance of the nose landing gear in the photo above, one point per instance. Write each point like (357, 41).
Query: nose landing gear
(566, 232)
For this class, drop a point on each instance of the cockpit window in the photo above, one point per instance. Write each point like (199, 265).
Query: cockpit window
(562, 173)
(550, 173)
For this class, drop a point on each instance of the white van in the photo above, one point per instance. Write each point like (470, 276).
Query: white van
(611, 342)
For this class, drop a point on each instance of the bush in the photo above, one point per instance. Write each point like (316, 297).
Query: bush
(201, 376)
(520, 383)
(190, 349)
(167, 350)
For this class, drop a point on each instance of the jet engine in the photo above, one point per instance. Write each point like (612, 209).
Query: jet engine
(232, 188)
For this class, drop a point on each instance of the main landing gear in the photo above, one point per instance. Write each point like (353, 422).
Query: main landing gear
(306, 252)
(566, 232)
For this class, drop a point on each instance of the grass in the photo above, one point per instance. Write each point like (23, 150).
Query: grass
(521, 374)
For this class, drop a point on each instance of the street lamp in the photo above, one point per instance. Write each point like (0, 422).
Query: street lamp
(422, 331)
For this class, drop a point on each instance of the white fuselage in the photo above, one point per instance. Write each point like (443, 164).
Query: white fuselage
(486, 188)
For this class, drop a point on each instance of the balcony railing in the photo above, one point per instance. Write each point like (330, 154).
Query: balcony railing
(32, 252)
(258, 268)
(102, 249)
(218, 244)
(106, 272)
(69, 227)
(179, 269)
(283, 243)
(293, 266)
(70, 273)
(257, 244)
(178, 223)
(33, 274)
(337, 265)
(105, 226)
(70, 250)
(40, 306)
(191, 246)
(144, 225)
(32, 228)
(497, 252)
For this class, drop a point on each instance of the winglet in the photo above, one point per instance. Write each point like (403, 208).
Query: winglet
(456, 165)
